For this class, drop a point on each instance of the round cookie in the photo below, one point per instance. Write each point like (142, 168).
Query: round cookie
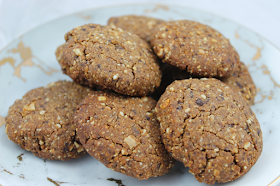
(139, 25)
(40, 122)
(123, 134)
(242, 82)
(210, 128)
(196, 47)
(110, 58)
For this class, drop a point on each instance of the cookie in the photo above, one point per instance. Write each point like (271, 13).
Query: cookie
(139, 25)
(59, 52)
(210, 128)
(169, 74)
(110, 58)
(123, 134)
(40, 122)
(200, 49)
(242, 82)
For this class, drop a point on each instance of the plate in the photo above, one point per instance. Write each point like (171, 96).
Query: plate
(29, 62)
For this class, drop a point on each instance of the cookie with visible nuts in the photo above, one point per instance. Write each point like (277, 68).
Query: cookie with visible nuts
(200, 49)
(110, 58)
(210, 128)
(139, 25)
(242, 82)
(40, 122)
(123, 134)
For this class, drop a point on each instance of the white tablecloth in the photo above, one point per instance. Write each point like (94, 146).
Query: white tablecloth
(19, 16)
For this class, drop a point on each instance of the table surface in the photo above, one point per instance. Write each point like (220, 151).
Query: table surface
(19, 16)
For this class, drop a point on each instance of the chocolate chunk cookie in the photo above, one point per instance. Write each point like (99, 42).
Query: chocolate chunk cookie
(123, 134)
(169, 74)
(210, 128)
(40, 122)
(196, 47)
(139, 25)
(242, 82)
(110, 58)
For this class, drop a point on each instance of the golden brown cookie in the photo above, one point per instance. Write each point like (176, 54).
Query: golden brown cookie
(139, 25)
(210, 128)
(242, 82)
(110, 58)
(196, 47)
(40, 122)
(123, 134)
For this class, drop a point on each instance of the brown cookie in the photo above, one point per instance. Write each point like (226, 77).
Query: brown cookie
(210, 128)
(123, 134)
(169, 74)
(242, 82)
(196, 47)
(110, 58)
(40, 122)
(139, 25)
(59, 52)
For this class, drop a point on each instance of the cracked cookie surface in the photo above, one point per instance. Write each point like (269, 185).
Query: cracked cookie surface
(210, 128)
(196, 47)
(139, 25)
(123, 134)
(40, 122)
(110, 58)
(242, 82)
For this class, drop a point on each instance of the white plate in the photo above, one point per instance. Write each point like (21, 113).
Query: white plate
(29, 62)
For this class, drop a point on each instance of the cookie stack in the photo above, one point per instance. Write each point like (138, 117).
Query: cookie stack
(202, 117)
(206, 122)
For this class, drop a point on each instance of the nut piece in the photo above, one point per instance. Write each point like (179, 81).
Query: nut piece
(165, 104)
(131, 141)
(42, 112)
(201, 51)
(77, 52)
(101, 98)
(29, 107)
(115, 76)
(247, 145)
(144, 99)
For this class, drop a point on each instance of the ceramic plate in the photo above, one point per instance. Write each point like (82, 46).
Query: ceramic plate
(29, 62)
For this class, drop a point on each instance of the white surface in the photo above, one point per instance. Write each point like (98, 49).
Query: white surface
(19, 16)
(42, 43)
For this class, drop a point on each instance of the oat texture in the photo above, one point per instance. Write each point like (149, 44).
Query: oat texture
(139, 25)
(210, 128)
(110, 58)
(123, 134)
(40, 122)
(242, 82)
(196, 47)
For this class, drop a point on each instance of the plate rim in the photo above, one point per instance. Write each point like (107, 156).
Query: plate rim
(134, 4)
(273, 182)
